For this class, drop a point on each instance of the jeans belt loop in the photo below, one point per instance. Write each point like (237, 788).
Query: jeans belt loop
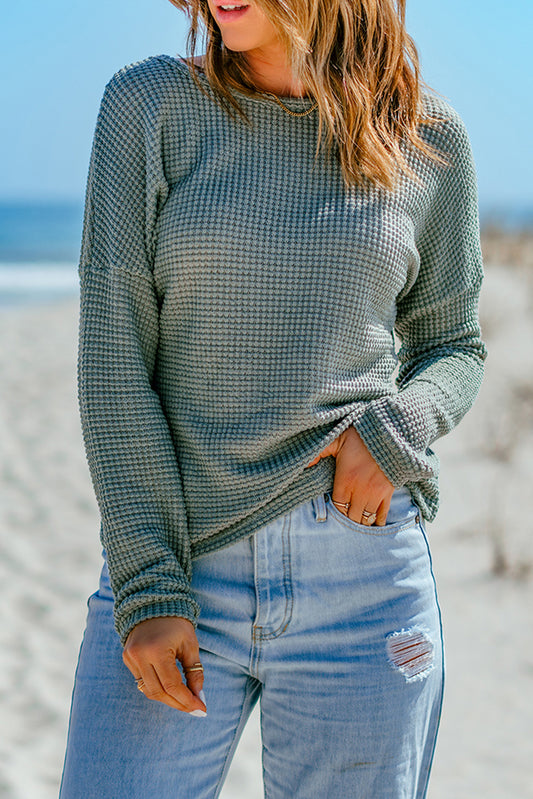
(319, 508)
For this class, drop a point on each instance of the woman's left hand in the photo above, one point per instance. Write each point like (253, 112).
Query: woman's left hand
(359, 485)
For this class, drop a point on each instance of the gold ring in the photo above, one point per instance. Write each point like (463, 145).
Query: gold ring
(140, 684)
(368, 517)
(194, 667)
(341, 504)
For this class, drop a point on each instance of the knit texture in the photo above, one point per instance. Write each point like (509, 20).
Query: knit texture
(238, 309)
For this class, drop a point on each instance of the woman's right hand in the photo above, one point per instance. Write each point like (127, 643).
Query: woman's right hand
(150, 653)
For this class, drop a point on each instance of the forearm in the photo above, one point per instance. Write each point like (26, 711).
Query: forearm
(399, 430)
(130, 452)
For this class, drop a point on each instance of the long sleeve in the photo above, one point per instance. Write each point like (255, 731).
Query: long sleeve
(130, 451)
(441, 355)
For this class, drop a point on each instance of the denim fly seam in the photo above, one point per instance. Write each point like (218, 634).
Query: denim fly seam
(259, 544)
(269, 560)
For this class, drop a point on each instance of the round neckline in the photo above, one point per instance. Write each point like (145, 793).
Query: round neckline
(288, 100)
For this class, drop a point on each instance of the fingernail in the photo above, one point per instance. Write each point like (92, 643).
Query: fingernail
(202, 696)
(200, 714)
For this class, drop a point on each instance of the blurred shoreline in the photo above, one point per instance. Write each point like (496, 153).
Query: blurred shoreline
(512, 247)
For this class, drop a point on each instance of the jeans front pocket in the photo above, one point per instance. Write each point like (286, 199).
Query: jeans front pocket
(403, 514)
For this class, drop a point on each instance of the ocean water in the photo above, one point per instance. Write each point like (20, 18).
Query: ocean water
(39, 250)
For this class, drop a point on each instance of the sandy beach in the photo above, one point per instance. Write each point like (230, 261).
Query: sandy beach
(482, 546)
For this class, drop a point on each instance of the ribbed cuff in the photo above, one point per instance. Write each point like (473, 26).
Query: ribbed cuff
(185, 608)
(396, 458)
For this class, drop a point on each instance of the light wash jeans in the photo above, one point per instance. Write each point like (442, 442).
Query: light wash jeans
(333, 626)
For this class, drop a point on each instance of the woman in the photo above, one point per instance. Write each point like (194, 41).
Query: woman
(259, 222)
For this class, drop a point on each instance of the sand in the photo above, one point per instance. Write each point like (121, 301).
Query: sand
(482, 547)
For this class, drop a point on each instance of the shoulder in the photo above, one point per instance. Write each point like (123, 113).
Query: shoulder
(146, 84)
(441, 126)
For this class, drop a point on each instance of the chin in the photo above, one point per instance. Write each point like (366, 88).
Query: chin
(238, 44)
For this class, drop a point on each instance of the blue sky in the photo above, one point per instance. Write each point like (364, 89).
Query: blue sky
(56, 57)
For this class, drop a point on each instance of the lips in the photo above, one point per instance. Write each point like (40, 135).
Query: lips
(229, 12)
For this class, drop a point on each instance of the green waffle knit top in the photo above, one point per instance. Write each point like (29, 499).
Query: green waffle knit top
(241, 307)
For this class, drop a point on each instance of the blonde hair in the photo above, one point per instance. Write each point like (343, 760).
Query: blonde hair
(357, 61)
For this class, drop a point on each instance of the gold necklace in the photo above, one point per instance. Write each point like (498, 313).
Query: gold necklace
(288, 110)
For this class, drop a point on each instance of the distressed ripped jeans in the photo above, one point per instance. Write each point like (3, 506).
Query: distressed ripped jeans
(332, 626)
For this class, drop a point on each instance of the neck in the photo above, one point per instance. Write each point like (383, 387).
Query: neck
(270, 71)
